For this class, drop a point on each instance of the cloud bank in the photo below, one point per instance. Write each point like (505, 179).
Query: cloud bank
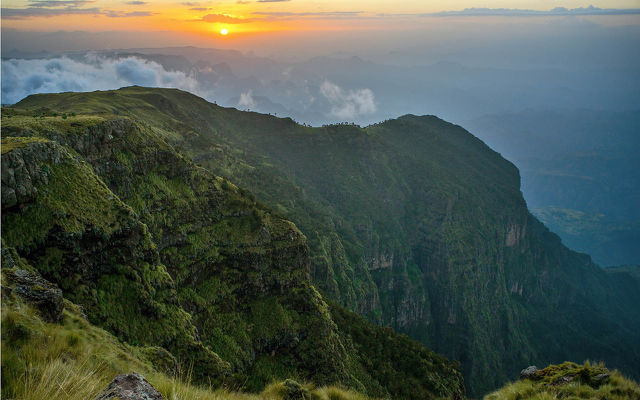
(348, 104)
(21, 78)
(246, 101)
(558, 11)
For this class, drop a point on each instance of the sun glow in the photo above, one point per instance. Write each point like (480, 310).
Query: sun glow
(224, 31)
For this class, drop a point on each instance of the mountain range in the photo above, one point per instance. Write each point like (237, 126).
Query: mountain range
(246, 245)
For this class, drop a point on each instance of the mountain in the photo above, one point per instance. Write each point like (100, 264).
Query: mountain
(579, 174)
(161, 252)
(413, 223)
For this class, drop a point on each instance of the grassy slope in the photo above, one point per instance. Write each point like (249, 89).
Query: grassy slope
(570, 381)
(412, 222)
(75, 360)
(248, 293)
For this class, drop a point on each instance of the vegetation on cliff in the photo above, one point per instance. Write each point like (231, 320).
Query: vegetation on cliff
(161, 252)
(413, 223)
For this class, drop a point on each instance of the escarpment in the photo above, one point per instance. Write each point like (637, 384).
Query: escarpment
(413, 223)
(161, 252)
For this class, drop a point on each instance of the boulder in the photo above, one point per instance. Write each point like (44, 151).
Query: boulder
(131, 386)
(39, 292)
(528, 372)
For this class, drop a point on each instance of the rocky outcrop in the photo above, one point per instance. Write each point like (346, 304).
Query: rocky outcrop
(32, 288)
(528, 372)
(131, 386)
(24, 168)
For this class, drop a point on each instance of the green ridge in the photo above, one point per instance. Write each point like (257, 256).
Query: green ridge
(147, 218)
(413, 223)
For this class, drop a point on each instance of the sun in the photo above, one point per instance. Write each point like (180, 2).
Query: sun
(224, 31)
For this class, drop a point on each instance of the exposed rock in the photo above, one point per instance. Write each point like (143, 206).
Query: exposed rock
(131, 386)
(24, 168)
(564, 379)
(34, 289)
(528, 372)
(601, 378)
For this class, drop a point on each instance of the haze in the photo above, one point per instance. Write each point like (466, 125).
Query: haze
(523, 76)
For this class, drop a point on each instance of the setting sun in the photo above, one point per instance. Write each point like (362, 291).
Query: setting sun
(224, 31)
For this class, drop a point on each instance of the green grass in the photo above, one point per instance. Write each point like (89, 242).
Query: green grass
(12, 143)
(419, 189)
(551, 383)
(75, 360)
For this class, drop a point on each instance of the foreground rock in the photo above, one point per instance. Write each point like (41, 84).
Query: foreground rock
(131, 386)
(528, 372)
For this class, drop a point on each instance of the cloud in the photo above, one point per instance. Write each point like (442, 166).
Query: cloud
(21, 78)
(43, 12)
(329, 14)
(558, 11)
(59, 3)
(246, 101)
(23, 13)
(223, 18)
(123, 14)
(348, 104)
(136, 3)
(199, 9)
(272, 1)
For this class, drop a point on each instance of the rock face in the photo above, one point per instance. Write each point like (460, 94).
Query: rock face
(24, 169)
(44, 295)
(131, 386)
(528, 372)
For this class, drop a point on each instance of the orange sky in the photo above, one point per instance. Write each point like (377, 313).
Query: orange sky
(241, 17)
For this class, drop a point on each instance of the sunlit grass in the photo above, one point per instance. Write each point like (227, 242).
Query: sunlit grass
(75, 360)
(547, 387)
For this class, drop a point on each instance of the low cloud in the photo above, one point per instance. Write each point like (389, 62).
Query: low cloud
(23, 13)
(558, 11)
(224, 19)
(246, 101)
(348, 104)
(136, 3)
(59, 3)
(21, 78)
(123, 14)
(316, 14)
(48, 12)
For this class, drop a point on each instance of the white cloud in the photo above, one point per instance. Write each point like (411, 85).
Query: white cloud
(21, 78)
(348, 104)
(246, 101)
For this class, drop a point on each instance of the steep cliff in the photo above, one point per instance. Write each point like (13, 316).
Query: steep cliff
(106, 208)
(413, 223)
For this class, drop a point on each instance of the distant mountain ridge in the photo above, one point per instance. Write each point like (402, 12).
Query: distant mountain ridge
(412, 222)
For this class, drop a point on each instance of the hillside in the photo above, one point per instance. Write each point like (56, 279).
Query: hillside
(161, 252)
(69, 358)
(413, 223)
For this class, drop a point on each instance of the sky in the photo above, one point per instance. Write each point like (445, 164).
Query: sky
(242, 17)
